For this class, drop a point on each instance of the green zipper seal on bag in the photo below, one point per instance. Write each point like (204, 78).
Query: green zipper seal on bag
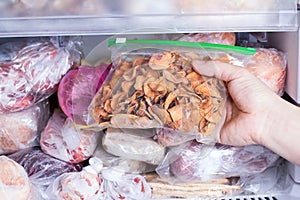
(208, 46)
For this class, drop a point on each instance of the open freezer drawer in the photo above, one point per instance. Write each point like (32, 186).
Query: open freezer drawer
(117, 18)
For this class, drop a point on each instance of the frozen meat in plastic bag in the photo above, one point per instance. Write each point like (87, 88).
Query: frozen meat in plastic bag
(194, 161)
(77, 89)
(267, 64)
(63, 140)
(14, 181)
(42, 168)
(227, 38)
(153, 85)
(21, 129)
(30, 70)
(84, 185)
(121, 143)
(120, 185)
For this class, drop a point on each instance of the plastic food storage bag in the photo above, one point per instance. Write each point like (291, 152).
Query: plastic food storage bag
(120, 185)
(153, 85)
(41, 168)
(14, 182)
(194, 161)
(77, 89)
(227, 38)
(63, 140)
(21, 129)
(30, 70)
(121, 143)
(84, 185)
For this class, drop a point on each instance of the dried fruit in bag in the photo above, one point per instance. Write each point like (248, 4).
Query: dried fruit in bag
(155, 88)
(63, 140)
(31, 70)
(14, 182)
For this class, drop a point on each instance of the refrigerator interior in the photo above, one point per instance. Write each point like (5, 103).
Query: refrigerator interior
(280, 25)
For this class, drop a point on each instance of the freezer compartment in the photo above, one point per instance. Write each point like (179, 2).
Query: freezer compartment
(28, 18)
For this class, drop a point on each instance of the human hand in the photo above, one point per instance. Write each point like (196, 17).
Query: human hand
(249, 104)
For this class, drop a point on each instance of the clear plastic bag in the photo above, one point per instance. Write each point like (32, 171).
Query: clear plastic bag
(153, 85)
(41, 168)
(121, 143)
(31, 69)
(14, 181)
(227, 38)
(194, 161)
(119, 185)
(84, 185)
(77, 89)
(63, 140)
(20, 130)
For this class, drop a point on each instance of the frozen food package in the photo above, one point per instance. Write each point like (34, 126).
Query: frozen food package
(134, 147)
(270, 66)
(31, 69)
(152, 85)
(62, 139)
(195, 161)
(14, 181)
(123, 164)
(120, 185)
(42, 168)
(227, 38)
(275, 179)
(77, 89)
(167, 137)
(84, 185)
(212, 189)
(21, 129)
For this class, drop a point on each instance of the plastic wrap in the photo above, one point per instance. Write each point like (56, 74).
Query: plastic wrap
(227, 38)
(21, 129)
(77, 89)
(30, 70)
(154, 86)
(84, 185)
(63, 140)
(14, 182)
(274, 179)
(120, 143)
(41, 168)
(124, 186)
(194, 161)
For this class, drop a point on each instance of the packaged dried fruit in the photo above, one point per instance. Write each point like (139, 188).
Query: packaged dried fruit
(31, 69)
(152, 84)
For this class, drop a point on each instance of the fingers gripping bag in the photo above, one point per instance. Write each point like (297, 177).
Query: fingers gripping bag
(62, 139)
(193, 161)
(20, 130)
(31, 69)
(152, 85)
